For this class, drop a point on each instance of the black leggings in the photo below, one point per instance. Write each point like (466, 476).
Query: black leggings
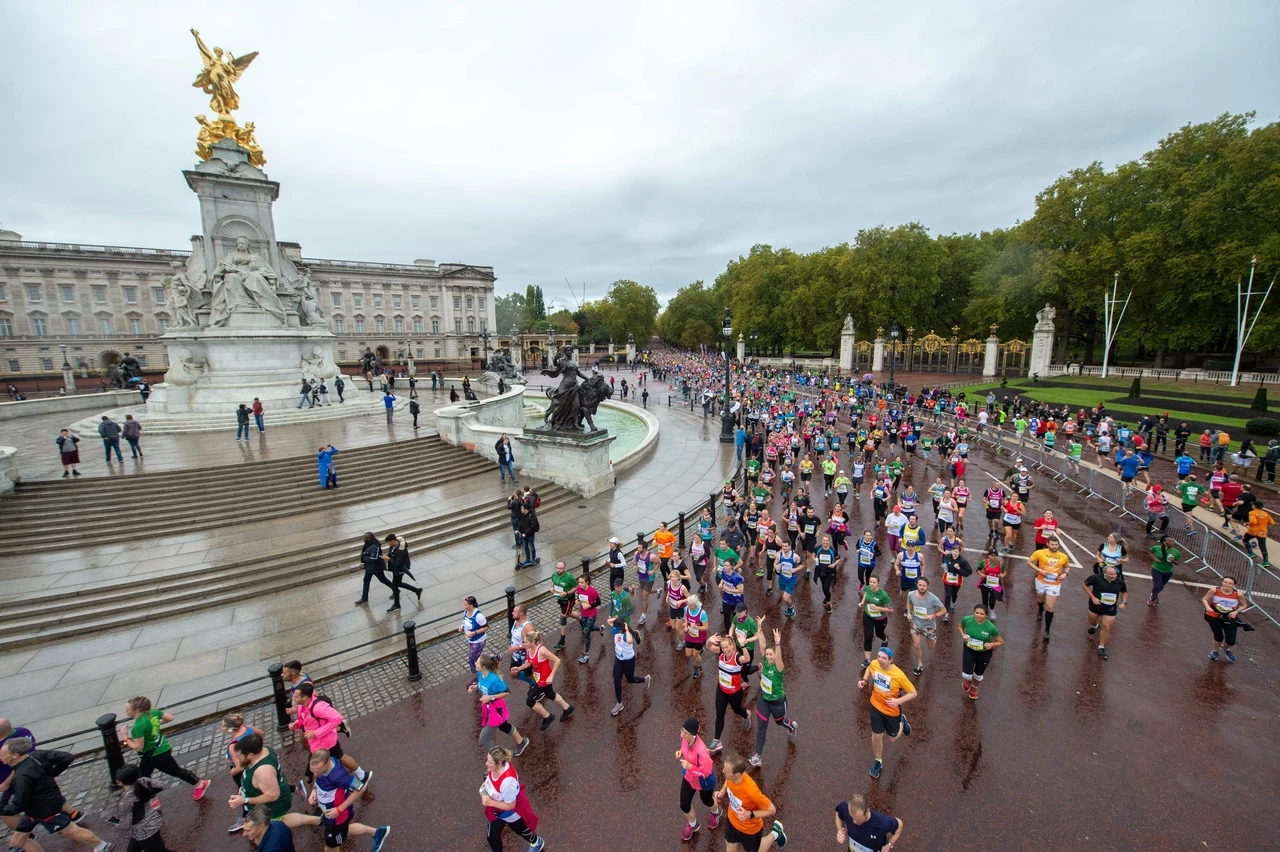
(873, 626)
(864, 573)
(724, 700)
(154, 843)
(950, 594)
(687, 793)
(828, 579)
(975, 662)
(1224, 629)
(621, 669)
(166, 764)
(988, 598)
(495, 833)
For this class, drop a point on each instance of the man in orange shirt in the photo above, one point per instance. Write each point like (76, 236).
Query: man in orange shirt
(1052, 567)
(665, 541)
(890, 689)
(748, 808)
(1259, 522)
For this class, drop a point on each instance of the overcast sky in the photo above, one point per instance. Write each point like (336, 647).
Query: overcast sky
(596, 141)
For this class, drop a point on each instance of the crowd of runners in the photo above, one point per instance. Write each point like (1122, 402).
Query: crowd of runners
(814, 450)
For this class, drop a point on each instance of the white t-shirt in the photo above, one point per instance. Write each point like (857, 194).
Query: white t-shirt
(507, 794)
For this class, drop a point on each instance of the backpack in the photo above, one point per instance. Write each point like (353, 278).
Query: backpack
(537, 501)
(54, 763)
(343, 728)
(399, 562)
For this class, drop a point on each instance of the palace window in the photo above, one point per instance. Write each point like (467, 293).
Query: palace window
(135, 325)
(100, 294)
(337, 300)
(33, 292)
(73, 325)
(38, 327)
(68, 293)
(131, 295)
(104, 325)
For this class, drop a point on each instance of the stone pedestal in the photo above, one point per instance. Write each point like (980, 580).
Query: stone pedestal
(877, 356)
(592, 348)
(1042, 344)
(8, 469)
(69, 379)
(992, 357)
(742, 348)
(631, 353)
(576, 461)
(846, 346)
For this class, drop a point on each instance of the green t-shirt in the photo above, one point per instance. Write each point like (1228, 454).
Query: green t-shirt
(744, 631)
(879, 597)
(977, 634)
(1019, 425)
(1171, 555)
(147, 728)
(565, 583)
(1190, 492)
(724, 554)
(620, 604)
(896, 468)
(771, 682)
(842, 483)
(760, 494)
(1076, 449)
(753, 468)
(829, 467)
(926, 444)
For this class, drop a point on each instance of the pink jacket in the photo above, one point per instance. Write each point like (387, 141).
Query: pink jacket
(699, 759)
(320, 717)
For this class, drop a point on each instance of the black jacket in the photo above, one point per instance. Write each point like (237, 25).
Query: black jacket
(529, 524)
(503, 450)
(513, 506)
(371, 555)
(34, 793)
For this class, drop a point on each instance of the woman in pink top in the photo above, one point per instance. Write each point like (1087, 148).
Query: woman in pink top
(320, 722)
(699, 774)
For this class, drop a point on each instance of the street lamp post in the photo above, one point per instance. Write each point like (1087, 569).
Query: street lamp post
(484, 352)
(726, 411)
(893, 355)
(68, 374)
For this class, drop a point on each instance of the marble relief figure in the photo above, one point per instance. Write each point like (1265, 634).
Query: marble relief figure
(242, 280)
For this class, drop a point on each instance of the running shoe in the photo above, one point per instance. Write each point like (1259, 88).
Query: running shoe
(689, 829)
(1040, 615)
(746, 723)
(567, 713)
(107, 847)
(520, 749)
(906, 726)
(367, 779)
(768, 593)
(755, 760)
(1231, 657)
(714, 746)
(1093, 628)
(198, 793)
(679, 646)
(865, 663)
(779, 833)
(1102, 652)
(381, 833)
(966, 685)
(713, 820)
(917, 671)
(644, 616)
(559, 646)
(648, 679)
(946, 617)
(827, 606)
(546, 723)
(697, 672)
(973, 692)
(1046, 636)
(584, 658)
(1213, 655)
(238, 825)
(760, 572)
(302, 788)
(1151, 601)
(791, 729)
(875, 768)
(617, 708)
(537, 845)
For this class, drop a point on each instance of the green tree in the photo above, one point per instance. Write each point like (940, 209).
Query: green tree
(535, 307)
(509, 312)
(692, 302)
(631, 309)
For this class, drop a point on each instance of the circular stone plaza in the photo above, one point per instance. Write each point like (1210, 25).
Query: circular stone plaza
(187, 575)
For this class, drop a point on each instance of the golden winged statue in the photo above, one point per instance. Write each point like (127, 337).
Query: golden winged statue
(220, 71)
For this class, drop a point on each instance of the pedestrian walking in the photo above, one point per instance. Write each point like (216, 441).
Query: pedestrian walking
(476, 628)
(242, 422)
(414, 410)
(324, 393)
(304, 395)
(397, 559)
(506, 458)
(389, 402)
(154, 750)
(339, 385)
(109, 431)
(257, 415)
(69, 450)
(374, 567)
(132, 432)
(529, 526)
(325, 467)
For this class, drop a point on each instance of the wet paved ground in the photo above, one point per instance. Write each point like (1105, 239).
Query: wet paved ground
(1155, 748)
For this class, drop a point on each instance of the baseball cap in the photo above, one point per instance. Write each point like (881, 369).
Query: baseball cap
(614, 540)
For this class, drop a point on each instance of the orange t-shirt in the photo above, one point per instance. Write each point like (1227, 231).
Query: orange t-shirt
(886, 684)
(1259, 520)
(665, 539)
(745, 797)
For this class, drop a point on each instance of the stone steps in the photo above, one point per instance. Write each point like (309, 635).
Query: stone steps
(46, 616)
(90, 510)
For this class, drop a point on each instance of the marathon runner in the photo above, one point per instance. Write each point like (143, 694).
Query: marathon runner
(544, 665)
(563, 585)
(925, 609)
(772, 702)
(1052, 567)
(980, 638)
(890, 689)
(733, 665)
(505, 803)
(863, 829)
(748, 808)
(1222, 610)
(1108, 594)
(697, 774)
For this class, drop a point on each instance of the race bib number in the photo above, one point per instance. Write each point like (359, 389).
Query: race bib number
(766, 684)
(910, 573)
(726, 681)
(584, 600)
(1051, 577)
(991, 581)
(1010, 518)
(1107, 598)
(952, 577)
(921, 612)
(975, 644)
(882, 681)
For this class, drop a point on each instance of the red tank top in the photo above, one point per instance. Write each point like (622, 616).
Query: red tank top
(541, 668)
(730, 673)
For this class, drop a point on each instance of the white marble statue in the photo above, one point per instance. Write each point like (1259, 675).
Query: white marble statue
(309, 311)
(185, 371)
(1045, 317)
(242, 280)
(184, 287)
(318, 365)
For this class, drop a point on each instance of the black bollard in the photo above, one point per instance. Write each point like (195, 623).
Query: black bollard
(111, 746)
(511, 607)
(586, 568)
(275, 672)
(411, 651)
(681, 536)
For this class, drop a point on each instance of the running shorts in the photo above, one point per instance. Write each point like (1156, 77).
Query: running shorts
(675, 614)
(1103, 610)
(787, 584)
(1053, 590)
(930, 633)
(540, 693)
(53, 824)
(748, 842)
(882, 723)
(566, 607)
(335, 835)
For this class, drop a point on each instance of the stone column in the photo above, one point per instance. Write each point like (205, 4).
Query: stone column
(68, 378)
(877, 353)
(846, 345)
(592, 348)
(742, 347)
(631, 349)
(1042, 343)
(8, 468)
(993, 354)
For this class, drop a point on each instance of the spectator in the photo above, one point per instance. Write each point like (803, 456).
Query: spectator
(506, 459)
(69, 447)
(110, 432)
(132, 434)
(257, 414)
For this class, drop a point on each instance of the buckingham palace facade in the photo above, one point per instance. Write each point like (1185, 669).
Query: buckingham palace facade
(103, 301)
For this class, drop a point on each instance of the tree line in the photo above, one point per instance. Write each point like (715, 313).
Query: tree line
(628, 309)
(1179, 225)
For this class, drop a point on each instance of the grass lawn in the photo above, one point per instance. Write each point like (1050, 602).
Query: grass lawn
(1243, 392)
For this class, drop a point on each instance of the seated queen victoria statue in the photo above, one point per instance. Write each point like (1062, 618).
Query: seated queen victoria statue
(242, 280)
